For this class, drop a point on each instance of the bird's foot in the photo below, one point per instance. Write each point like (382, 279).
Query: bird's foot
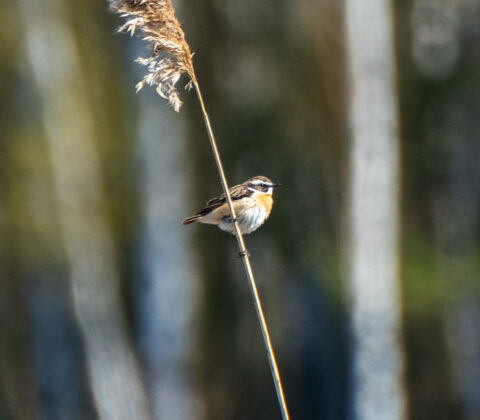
(242, 254)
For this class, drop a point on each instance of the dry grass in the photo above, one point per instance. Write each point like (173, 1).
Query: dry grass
(170, 54)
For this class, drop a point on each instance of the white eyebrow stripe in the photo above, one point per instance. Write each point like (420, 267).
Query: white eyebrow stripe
(258, 182)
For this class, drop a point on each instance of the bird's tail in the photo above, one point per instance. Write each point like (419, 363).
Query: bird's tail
(191, 219)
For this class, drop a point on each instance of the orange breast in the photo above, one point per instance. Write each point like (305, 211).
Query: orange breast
(266, 201)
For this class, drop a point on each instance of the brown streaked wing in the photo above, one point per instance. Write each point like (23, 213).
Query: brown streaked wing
(236, 192)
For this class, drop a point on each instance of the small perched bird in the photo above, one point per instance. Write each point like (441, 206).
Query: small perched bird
(252, 201)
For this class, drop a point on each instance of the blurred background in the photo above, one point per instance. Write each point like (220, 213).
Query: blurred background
(368, 268)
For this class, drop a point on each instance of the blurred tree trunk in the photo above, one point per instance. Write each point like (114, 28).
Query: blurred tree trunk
(167, 289)
(372, 213)
(69, 125)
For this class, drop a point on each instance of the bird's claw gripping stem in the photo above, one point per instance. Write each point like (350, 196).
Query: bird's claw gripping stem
(244, 253)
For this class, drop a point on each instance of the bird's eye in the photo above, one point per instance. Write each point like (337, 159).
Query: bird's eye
(264, 185)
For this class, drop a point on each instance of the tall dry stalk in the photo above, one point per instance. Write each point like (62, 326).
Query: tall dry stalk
(170, 59)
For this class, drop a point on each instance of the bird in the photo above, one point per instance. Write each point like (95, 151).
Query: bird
(252, 201)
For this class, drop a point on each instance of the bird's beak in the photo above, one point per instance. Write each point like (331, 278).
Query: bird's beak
(275, 185)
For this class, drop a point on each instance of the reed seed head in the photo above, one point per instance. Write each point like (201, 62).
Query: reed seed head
(170, 54)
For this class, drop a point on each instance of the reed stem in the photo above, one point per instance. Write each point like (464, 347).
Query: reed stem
(159, 26)
(246, 260)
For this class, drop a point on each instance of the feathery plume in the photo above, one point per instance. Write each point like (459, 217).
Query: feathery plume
(170, 57)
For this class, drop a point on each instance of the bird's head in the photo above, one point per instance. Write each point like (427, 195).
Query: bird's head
(261, 184)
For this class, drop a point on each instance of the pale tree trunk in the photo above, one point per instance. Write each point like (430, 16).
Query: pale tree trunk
(372, 213)
(55, 62)
(167, 289)
(165, 301)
